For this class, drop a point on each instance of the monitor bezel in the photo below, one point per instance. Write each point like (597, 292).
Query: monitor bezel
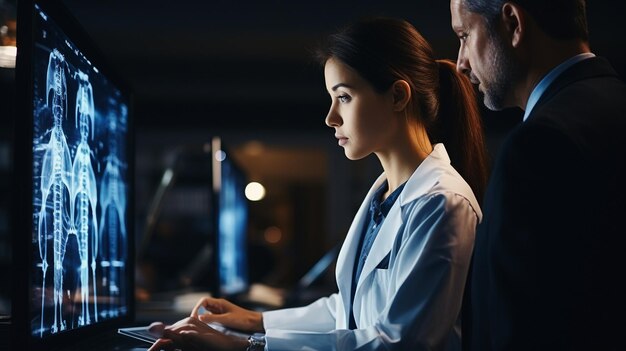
(23, 190)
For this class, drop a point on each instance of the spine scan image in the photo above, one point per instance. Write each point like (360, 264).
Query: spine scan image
(113, 202)
(80, 188)
(55, 184)
(85, 197)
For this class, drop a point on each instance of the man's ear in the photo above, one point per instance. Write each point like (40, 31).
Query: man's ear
(514, 20)
(401, 95)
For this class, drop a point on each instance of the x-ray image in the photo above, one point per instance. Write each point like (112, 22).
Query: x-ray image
(80, 186)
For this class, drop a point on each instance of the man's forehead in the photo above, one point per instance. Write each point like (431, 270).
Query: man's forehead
(457, 10)
(462, 17)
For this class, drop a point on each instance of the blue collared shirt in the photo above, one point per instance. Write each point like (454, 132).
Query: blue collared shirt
(551, 77)
(378, 210)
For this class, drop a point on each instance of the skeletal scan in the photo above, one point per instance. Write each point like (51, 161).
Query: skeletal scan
(113, 204)
(84, 197)
(55, 175)
(79, 192)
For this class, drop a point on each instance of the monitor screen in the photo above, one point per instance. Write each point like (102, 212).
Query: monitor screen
(232, 223)
(79, 266)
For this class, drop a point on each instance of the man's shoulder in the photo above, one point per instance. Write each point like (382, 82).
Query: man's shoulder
(588, 103)
(590, 86)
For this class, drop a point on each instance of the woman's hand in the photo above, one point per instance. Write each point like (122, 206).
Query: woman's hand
(228, 314)
(191, 334)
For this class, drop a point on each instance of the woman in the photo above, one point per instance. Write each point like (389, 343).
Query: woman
(402, 268)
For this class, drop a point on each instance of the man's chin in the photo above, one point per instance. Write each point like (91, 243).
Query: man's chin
(491, 104)
(486, 99)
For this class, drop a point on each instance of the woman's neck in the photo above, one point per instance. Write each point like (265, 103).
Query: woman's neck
(401, 159)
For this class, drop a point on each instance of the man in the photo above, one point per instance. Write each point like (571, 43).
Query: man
(548, 268)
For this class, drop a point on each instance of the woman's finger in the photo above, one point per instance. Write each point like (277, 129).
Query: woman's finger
(210, 304)
(162, 344)
(156, 329)
(189, 323)
(200, 304)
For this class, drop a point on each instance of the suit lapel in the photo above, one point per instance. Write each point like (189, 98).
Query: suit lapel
(589, 68)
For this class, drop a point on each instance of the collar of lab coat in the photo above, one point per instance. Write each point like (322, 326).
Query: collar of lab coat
(427, 175)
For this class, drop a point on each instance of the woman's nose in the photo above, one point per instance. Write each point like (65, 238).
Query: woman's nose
(332, 118)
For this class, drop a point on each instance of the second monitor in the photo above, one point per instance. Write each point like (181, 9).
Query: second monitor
(231, 260)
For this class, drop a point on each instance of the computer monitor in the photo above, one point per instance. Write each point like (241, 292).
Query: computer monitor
(73, 153)
(229, 182)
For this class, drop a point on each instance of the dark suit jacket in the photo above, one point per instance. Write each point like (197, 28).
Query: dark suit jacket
(549, 265)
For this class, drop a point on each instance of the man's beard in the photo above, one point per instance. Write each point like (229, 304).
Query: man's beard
(502, 77)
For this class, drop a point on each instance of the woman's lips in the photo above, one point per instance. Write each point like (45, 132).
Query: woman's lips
(342, 140)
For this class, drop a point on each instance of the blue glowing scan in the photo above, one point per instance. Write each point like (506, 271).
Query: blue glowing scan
(233, 214)
(84, 196)
(80, 187)
(112, 216)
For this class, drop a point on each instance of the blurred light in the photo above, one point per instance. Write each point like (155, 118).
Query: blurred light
(8, 35)
(167, 177)
(206, 148)
(255, 191)
(272, 235)
(7, 56)
(220, 155)
(253, 148)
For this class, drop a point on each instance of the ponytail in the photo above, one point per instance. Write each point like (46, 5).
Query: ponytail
(459, 127)
(384, 50)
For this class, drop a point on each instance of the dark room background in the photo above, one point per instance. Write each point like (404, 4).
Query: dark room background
(244, 71)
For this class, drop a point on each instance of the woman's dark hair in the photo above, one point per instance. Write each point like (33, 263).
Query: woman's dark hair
(385, 50)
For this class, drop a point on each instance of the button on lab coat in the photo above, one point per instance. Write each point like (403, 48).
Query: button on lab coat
(409, 294)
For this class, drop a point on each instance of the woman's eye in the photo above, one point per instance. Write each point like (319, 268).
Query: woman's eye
(343, 98)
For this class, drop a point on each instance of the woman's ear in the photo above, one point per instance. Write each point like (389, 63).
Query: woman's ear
(401, 95)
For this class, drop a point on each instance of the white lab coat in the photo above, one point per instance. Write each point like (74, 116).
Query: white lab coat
(412, 304)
